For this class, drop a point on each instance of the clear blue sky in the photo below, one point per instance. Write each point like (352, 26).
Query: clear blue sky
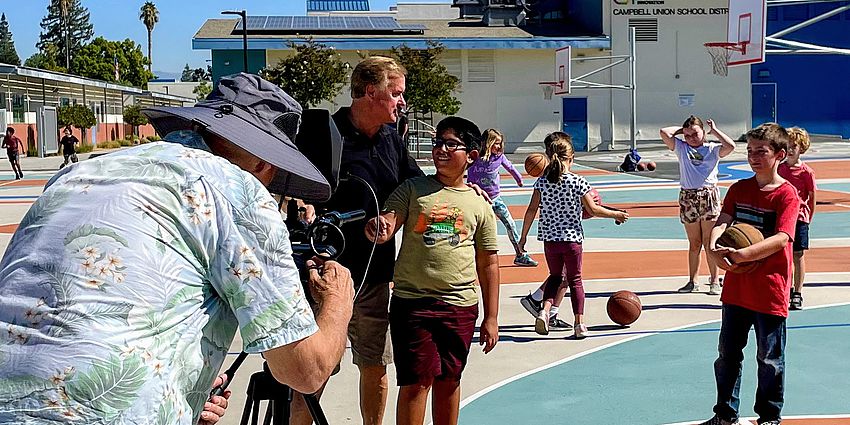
(172, 36)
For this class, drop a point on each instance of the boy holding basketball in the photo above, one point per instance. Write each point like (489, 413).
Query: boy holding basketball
(449, 241)
(759, 298)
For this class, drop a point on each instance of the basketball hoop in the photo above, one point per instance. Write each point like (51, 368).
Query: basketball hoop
(548, 88)
(720, 53)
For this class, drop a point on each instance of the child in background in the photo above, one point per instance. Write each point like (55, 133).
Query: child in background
(560, 196)
(758, 298)
(449, 241)
(803, 178)
(485, 173)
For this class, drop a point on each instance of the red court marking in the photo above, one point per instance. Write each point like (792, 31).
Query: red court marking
(638, 264)
(26, 183)
(8, 228)
(817, 421)
(829, 169)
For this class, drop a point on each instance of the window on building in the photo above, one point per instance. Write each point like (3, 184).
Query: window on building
(646, 29)
(481, 66)
(772, 14)
(64, 101)
(799, 12)
(820, 9)
(451, 59)
(18, 108)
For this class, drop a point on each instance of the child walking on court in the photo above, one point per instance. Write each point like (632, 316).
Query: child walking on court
(485, 173)
(449, 241)
(560, 196)
(759, 298)
(802, 177)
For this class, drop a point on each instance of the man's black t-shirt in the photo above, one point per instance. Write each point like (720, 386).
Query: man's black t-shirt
(384, 162)
(68, 143)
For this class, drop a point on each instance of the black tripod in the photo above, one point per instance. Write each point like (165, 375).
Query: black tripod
(263, 386)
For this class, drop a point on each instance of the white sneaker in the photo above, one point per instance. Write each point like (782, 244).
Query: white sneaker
(541, 324)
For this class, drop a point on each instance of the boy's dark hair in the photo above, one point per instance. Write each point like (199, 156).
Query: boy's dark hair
(771, 132)
(693, 120)
(8, 129)
(464, 129)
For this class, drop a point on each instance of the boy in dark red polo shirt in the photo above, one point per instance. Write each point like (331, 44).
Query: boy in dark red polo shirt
(14, 147)
(759, 298)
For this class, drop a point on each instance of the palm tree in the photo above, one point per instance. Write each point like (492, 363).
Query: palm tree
(150, 16)
(64, 10)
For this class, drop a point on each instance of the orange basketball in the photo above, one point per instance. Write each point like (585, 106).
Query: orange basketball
(535, 164)
(624, 307)
(641, 166)
(650, 166)
(741, 235)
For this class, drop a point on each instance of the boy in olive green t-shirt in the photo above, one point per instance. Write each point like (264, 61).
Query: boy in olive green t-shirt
(449, 240)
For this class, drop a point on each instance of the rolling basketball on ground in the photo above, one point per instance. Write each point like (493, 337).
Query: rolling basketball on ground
(624, 307)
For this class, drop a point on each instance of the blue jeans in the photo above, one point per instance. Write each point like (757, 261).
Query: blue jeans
(770, 340)
(504, 215)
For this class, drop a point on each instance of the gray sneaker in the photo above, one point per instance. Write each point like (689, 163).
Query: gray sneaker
(714, 288)
(689, 287)
(525, 260)
(531, 305)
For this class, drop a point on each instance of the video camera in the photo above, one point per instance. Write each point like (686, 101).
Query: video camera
(320, 141)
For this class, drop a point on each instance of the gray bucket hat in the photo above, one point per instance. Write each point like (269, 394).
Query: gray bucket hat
(259, 117)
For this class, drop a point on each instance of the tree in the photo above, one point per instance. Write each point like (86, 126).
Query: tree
(202, 90)
(149, 15)
(47, 59)
(429, 84)
(76, 116)
(115, 61)
(197, 74)
(8, 54)
(313, 73)
(67, 27)
(133, 116)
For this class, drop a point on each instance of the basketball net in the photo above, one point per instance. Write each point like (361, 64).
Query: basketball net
(548, 90)
(720, 54)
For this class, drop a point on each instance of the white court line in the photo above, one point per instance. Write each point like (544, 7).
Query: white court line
(504, 382)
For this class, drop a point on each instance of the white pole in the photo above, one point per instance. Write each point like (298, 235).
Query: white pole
(633, 123)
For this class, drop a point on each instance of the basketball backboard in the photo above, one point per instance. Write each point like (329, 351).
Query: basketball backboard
(746, 28)
(562, 70)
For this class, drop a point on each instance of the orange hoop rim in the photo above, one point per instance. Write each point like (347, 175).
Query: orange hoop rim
(738, 47)
(551, 83)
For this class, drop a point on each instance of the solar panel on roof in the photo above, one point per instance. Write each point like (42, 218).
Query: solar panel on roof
(305, 22)
(384, 22)
(254, 22)
(358, 22)
(278, 23)
(332, 23)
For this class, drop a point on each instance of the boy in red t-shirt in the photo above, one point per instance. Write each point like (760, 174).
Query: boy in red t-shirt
(759, 298)
(803, 178)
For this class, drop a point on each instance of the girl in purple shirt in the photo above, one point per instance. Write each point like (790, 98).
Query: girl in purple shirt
(485, 173)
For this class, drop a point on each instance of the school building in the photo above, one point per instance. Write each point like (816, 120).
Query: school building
(29, 98)
(502, 49)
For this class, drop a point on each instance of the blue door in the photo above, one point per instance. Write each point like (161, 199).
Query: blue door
(575, 121)
(764, 103)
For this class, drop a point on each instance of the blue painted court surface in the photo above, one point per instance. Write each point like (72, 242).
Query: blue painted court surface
(665, 377)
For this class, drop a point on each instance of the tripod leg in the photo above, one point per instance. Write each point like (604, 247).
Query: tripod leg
(315, 409)
(283, 407)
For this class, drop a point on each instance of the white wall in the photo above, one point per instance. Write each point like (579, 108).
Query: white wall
(177, 88)
(678, 64)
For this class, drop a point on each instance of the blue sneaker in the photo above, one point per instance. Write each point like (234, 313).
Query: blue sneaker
(525, 260)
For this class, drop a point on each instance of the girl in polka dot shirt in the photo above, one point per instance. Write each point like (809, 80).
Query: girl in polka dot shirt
(560, 195)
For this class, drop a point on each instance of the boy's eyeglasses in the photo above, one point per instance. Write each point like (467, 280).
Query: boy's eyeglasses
(451, 145)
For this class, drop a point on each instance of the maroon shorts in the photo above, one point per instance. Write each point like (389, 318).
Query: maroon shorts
(431, 339)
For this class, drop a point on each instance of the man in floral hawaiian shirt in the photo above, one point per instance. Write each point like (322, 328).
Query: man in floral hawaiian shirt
(123, 287)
